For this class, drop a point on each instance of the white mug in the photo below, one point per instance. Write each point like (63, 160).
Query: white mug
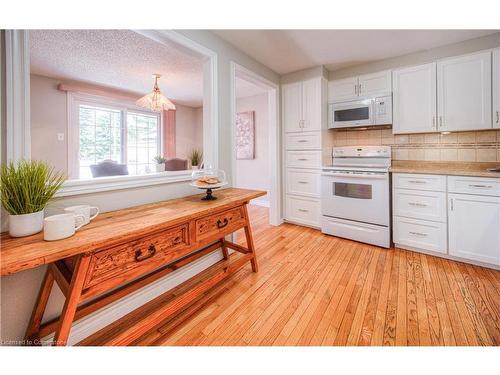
(61, 226)
(84, 210)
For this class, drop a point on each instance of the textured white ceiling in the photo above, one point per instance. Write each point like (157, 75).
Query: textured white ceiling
(245, 88)
(287, 51)
(120, 59)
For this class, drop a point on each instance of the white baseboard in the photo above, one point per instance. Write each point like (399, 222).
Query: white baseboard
(114, 311)
(261, 202)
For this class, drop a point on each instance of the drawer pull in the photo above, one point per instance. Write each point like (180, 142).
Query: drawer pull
(302, 182)
(419, 234)
(222, 224)
(302, 141)
(480, 186)
(151, 251)
(303, 210)
(416, 204)
(417, 181)
(303, 159)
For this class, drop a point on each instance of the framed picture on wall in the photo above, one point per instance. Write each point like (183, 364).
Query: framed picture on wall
(245, 135)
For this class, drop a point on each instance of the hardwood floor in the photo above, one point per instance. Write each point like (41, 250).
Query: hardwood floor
(314, 289)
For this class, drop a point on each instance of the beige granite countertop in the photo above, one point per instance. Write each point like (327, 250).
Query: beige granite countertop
(445, 168)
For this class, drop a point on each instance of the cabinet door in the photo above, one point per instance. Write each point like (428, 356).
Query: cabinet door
(311, 104)
(375, 83)
(292, 107)
(496, 88)
(473, 227)
(464, 92)
(414, 99)
(343, 89)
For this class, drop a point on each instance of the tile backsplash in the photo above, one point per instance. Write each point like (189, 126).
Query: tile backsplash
(478, 146)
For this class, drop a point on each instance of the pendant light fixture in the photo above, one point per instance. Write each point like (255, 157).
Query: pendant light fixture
(155, 100)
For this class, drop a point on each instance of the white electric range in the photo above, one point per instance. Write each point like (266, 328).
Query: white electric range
(355, 195)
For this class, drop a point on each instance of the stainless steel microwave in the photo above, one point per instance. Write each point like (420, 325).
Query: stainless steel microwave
(360, 112)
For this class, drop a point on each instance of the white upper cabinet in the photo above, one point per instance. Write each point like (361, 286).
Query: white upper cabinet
(343, 89)
(366, 85)
(303, 106)
(414, 99)
(496, 88)
(464, 92)
(292, 107)
(374, 84)
(311, 105)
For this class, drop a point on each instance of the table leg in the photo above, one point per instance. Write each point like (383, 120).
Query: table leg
(33, 329)
(250, 244)
(225, 252)
(71, 303)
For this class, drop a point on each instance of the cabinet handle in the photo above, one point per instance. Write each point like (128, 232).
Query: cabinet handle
(303, 182)
(451, 204)
(498, 117)
(356, 89)
(433, 122)
(440, 121)
(222, 224)
(417, 204)
(151, 251)
(303, 159)
(417, 182)
(303, 210)
(302, 141)
(480, 186)
(418, 234)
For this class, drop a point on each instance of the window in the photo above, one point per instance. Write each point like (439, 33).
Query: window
(123, 135)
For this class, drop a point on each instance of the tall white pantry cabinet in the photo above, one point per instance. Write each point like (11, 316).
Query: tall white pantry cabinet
(304, 115)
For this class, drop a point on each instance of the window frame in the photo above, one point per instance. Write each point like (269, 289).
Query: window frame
(74, 100)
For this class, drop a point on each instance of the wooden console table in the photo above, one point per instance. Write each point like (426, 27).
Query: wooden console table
(122, 251)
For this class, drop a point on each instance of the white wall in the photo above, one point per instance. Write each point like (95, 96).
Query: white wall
(255, 173)
(18, 292)
(468, 46)
(49, 116)
(188, 130)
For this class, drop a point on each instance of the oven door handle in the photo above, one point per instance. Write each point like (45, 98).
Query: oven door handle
(365, 176)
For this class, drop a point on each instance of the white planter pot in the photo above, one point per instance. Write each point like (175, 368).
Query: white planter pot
(195, 167)
(25, 225)
(160, 167)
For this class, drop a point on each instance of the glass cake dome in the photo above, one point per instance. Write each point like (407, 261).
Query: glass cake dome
(208, 178)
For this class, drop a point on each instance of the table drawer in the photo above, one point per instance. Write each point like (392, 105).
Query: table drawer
(311, 141)
(124, 262)
(420, 234)
(303, 159)
(220, 224)
(425, 205)
(474, 185)
(302, 182)
(419, 181)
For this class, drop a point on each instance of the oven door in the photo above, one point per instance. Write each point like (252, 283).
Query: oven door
(355, 195)
(351, 114)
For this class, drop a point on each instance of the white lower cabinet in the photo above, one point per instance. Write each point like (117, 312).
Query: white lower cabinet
(303, 182)
(420, 234)
(474, 227)
(304, 211)
(455, 216)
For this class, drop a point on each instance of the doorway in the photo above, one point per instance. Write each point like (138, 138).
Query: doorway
(255, 138)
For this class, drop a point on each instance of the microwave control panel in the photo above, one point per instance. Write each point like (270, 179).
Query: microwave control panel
(383, 110)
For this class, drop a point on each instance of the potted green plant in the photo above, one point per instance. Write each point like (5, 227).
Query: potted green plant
(26, 188)
(160, 163)
(195, 156)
